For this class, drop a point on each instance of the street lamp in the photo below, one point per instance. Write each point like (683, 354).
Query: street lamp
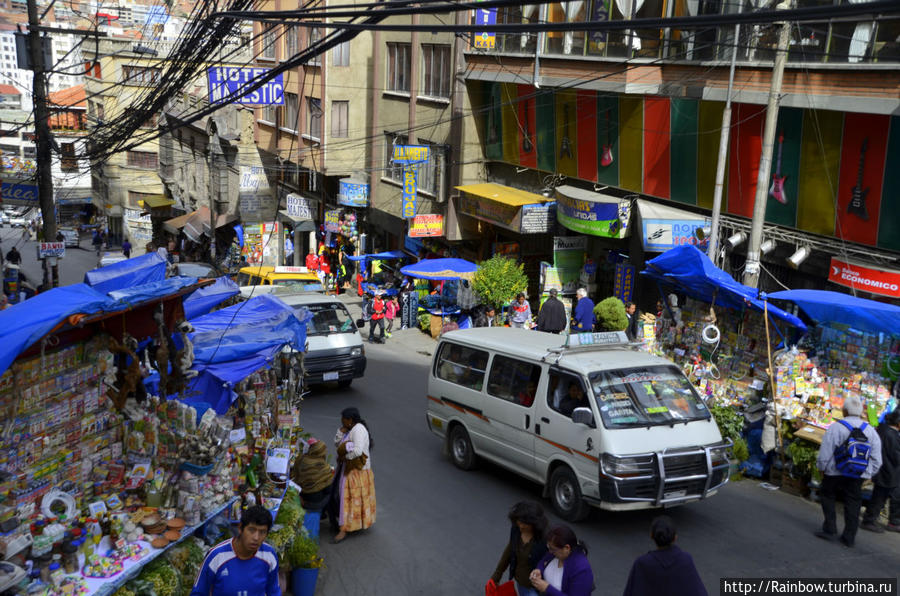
(796, 259)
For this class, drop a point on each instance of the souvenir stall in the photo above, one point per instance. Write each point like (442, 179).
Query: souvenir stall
(442, 302)
(103, 481)
(854, 349)
(379, 279)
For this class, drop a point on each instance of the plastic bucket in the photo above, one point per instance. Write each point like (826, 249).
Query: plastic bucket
(303, 581)
(311, 523)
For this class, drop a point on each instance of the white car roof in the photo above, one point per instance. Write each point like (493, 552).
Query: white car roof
(302, 299)
(537, 345)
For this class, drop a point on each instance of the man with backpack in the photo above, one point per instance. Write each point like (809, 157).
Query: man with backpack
(850, 453)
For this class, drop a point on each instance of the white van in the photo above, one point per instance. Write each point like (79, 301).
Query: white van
(599, 424)
(334, 347)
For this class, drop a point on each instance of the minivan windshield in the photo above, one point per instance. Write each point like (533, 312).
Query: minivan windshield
(645, 396)
(328, 318)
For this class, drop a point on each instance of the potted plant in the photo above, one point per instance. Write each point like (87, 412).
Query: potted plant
(303, 557)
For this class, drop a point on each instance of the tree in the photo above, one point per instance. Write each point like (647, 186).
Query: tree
(498, 280)
(611, 315)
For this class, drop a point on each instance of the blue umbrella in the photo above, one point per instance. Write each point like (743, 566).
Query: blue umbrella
(441, 269)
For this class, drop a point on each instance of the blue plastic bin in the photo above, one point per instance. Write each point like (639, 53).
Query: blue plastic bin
(311, 523)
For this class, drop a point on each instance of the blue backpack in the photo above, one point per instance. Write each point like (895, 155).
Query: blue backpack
(851, 458)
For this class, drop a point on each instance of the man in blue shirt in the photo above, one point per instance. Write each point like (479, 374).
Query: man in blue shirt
(242, 566)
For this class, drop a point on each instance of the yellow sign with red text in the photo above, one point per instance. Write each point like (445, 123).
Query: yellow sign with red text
(426, 226)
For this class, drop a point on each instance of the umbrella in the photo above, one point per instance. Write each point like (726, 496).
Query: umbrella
(441, 269)
(824, 306)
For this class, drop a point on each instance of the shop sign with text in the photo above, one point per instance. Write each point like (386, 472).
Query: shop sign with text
(425, 226)
(333, 220)
(597, 218)
(876, 281)
(409, 192)
(662, 234)
(226, 83)
(20, 192)
(353, 194)
(537, 218)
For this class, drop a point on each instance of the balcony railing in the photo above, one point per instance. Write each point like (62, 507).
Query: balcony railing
(840, 42)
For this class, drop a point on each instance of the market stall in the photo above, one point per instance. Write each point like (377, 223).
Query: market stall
(380, 280)
(103, 483)
(442, 302)
(205, 299)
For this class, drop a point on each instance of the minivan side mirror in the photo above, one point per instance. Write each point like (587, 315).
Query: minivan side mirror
(583, 416)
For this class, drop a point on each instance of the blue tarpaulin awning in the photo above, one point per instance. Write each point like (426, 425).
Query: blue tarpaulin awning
(131, 272)
(690, 271)
(441, 269)
(380, 256)
(824, 307)
(203, 300)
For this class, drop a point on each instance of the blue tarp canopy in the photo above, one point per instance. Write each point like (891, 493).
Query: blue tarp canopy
(824, 307)
(203, 300)
(691, 272)
(234, 342)
(380, 256)
(24, 324)
(440, 269)
(131, 272)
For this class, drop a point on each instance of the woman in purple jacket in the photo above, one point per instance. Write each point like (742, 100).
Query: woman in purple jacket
(565, 569)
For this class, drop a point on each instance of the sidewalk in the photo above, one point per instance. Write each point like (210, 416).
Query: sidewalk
(414, 339)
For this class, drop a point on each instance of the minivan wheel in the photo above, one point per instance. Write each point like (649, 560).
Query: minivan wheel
(461, 451)
(565, 494)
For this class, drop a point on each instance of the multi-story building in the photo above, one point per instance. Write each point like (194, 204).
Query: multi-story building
(346, 110)
(623, 129)
(71, 173)
(127, 184)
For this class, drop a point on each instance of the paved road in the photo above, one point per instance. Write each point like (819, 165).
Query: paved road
(71, 268)
(440, 531)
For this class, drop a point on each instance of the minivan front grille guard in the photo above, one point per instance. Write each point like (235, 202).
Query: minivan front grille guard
(705, 472)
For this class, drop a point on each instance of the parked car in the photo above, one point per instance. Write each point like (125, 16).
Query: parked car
(4, 218)
(200, 270)
(71, 235)
(18, 222)
(110, 257)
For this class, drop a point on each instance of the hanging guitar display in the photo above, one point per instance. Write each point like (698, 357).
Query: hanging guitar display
(527, 145)
(492, 126)
(606, 156)
(565, 149)
(776, 191)
(857, 204)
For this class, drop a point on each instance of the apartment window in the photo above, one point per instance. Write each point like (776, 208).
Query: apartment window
(141, 75)
(339, 114)
(92, 69)
(398, 67)
(268, 114)
(267, 50)
(68, 162)
(428, 174)
(142, 159)
(291, 44)
(340, 55)
(436, 70)
(291, 112)
(392, 171)
(315, 36)
(314, 108)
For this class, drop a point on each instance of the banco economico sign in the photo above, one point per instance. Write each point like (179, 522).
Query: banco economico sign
(876, 281)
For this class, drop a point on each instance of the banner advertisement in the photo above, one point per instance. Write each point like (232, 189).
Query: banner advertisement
(426, 226)
(20, 192)
(51, 249)
(140, 226)
(537, 218)
(568, 260)
(226, 83)
(259, 244)
(599, 13)
(876, 281)
(410, 154)
(333, 220)
(623, 284)
(485, 40)
(255, 196)
(660, 235)
(597, 218)
(353, 194)
(409, 192)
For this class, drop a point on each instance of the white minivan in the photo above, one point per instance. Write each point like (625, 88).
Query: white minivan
(593, 420)
(334, 348)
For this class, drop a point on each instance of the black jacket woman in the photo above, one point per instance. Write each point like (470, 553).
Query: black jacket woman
(526, 546)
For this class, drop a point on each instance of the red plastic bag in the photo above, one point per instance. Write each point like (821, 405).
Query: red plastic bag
(506, 589)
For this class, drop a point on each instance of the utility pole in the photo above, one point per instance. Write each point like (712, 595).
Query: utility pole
(751, 270)
(723, 157)
(42, 138)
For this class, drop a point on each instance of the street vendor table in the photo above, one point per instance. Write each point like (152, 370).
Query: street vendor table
(131, 569)
(811, 433)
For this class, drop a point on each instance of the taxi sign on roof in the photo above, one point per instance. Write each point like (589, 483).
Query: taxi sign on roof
(603, 338)
(290, 269)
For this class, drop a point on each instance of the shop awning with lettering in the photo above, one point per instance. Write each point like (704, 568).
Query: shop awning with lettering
(515, 209)
(663, 227)
(156, 202)
(593, 213)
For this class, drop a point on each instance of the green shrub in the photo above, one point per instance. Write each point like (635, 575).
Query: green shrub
(611, 314)
(729, 420)
(302, 552)
(498, 280)
(804, 455)
(740, 451)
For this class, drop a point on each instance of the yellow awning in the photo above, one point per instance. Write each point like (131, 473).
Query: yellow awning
(156, 202)
(505, 195)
